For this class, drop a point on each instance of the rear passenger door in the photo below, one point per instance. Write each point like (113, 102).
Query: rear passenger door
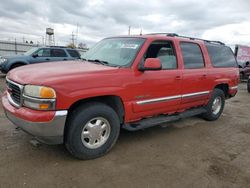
(195, 89)
(58, 55)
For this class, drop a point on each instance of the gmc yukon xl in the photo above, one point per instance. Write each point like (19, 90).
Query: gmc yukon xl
(129, 82)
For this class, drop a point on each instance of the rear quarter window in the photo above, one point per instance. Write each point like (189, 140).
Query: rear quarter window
(221, 56)
(73, 53)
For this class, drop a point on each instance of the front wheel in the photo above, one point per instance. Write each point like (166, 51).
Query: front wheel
(91, 130)
(215, 105)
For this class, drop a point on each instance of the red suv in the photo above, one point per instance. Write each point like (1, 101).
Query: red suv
(130, 82)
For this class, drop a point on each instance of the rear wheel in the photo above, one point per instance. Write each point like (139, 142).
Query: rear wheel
(242, 76)
(92, 130)
(215, 105)
(248, 85)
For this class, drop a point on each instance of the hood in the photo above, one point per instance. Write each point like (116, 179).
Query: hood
(10, 57)
(44, 73)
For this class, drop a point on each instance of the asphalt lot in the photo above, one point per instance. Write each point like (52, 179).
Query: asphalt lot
(187, 153)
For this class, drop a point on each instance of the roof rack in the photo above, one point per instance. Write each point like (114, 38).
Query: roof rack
(191, 38)
(58, 46)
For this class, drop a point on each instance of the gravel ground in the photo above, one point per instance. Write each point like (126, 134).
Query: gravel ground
(187, 153)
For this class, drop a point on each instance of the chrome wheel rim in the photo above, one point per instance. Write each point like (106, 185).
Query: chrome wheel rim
(216, 107)
(95, 133)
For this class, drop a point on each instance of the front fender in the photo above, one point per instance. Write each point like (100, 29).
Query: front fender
(13, 62)
(67, 99)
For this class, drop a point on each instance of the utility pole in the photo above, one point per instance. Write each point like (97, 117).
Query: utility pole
(76, 32)
(73, 39)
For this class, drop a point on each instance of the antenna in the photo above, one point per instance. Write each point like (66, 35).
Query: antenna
(129, 30)
(141, 32)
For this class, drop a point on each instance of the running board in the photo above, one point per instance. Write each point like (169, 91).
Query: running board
(153, 121)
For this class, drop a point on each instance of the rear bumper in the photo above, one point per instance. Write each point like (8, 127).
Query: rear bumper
(49, 131)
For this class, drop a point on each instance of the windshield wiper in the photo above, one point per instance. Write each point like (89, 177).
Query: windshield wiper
(98, 61)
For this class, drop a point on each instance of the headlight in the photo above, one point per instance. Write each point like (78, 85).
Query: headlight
(39, 92)
(3, 60)
(39, 97)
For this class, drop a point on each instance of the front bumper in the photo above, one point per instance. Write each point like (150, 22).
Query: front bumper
(49, 131)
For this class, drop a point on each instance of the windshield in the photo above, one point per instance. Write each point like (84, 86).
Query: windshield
(114, 51)
(31, 51)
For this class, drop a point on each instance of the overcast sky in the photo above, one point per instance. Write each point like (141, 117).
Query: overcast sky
(224, 20)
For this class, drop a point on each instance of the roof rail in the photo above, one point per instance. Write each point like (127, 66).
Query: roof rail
(191, 38)
(167, 34)
(209, 41)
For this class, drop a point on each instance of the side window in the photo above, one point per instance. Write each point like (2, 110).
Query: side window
(73, 53)
(192, 55)
(165, 52)
(44, 52)
(221, 56)
(58, 53)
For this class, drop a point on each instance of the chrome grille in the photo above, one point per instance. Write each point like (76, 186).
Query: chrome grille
(15, 91)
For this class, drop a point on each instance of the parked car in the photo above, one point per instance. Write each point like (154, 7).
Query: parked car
(248, 84)
(38, 55)
(244, 70)
(130, 82)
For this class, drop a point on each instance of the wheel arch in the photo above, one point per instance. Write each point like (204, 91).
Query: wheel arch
(224, 87)
(113, 101)
(17, 63)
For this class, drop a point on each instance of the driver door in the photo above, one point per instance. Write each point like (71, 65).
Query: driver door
(42, 55)
(159, 91)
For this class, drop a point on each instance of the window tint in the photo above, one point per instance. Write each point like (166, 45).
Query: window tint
(221, 56)
(165, 52)
(58, 53)
(192, 55)
(44, 52)
(73, 53)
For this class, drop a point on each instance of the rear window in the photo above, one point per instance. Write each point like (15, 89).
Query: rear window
(221, 56)
(73, 53)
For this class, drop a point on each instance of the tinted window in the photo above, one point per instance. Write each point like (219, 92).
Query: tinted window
(165, 52)
(73, 53)
(58, 53)
(192, 55)
(221, 56)
(44, 52)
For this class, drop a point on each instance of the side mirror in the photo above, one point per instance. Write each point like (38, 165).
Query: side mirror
(34, 55)
(151, 64)
(247, 63)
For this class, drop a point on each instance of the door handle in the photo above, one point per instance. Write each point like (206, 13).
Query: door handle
(178, 77)
(47, 59)
(204, 76)
(64, 59)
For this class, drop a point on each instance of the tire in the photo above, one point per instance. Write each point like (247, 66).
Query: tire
(213, 111)
(91, 131)
(242, 76)
(248, 85)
